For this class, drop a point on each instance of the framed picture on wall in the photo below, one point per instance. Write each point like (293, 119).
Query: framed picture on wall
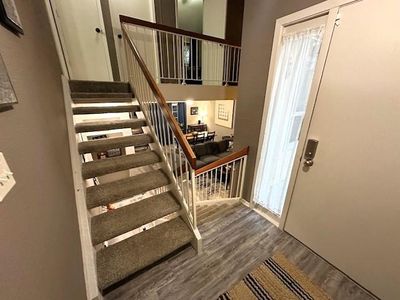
(194, 111)
(224, 111)
(7, 94)
(9, 16)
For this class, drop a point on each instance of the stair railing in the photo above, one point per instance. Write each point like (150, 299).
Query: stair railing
(174, 55)
(177, 152)
(222, 180)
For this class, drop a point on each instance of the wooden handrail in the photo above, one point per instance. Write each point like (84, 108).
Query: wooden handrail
(222, 161)
(156, 26)
(163, 103)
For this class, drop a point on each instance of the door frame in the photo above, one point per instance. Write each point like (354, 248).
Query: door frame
(331, 9)
(62, 56)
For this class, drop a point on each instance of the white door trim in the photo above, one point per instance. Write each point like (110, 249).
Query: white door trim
(330, 8)
(60, 51)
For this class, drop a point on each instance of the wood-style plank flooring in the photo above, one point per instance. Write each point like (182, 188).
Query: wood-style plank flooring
(235, 240)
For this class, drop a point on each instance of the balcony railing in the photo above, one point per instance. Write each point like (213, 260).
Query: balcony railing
(175, 150)
(177, 56)
(222, 180)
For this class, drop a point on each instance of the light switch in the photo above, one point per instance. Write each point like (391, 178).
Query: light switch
(7, 180)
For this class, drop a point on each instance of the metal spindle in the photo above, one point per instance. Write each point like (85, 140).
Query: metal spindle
(191, 59)
(220, 181)
(215, 183)
(232, 179)
(244, 173)
(169, 144)
(183, 59)
(197, 59)
(180, 167)
(187, 178)
(237, 65)
(239, 178)
(174, 55)
(226, 175)
(168, 58)
(159, 36)
(233, 64)
(194, 211)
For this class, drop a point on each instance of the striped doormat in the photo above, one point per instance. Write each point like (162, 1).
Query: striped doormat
(275, 279)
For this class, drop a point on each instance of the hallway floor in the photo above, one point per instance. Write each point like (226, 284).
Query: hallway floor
(235, 240)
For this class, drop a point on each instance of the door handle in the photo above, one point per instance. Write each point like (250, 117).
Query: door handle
(309, 154)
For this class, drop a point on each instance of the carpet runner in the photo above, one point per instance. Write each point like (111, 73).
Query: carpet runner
(275, 279)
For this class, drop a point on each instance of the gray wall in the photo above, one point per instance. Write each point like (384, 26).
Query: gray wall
(40, 250)
(112, 50)
(257, 38)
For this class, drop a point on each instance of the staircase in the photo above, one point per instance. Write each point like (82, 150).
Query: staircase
(141, 193)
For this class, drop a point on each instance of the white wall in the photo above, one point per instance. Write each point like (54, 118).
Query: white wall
(141, 9)
(214, 20)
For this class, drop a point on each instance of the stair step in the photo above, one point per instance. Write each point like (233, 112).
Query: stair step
(120, 260)
(137, 140)
(114, 191)
(110, 165)
(109, 125)
(119, 221)
(81, 110)
(105, 96)
(101, 100)
(99, 86)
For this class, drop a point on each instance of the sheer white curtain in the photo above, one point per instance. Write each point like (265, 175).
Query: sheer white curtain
(292, 83)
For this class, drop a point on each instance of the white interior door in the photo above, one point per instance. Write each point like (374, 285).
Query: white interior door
(84, 48)
(346, 207)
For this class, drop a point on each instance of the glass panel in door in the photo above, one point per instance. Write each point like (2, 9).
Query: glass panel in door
(298, 54)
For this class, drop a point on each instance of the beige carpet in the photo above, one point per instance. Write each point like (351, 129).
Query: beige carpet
(275, 279)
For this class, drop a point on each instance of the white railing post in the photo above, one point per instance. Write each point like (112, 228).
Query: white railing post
(194, 202)
(243, 176)
(183, 60)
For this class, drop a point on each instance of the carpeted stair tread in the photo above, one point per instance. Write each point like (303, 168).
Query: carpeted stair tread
(137, 252)
(114, 191)
(125, 162)
(112, 143)
(81, 95)
(119, 221)
(101, 100)
(89, 86)
(80, 110)
(109, 125)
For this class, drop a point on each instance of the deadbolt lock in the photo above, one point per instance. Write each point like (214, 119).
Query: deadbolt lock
(309, 154)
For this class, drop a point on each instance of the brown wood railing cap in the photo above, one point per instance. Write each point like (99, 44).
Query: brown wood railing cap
(139, 22)
(224, 160)
(163, 104)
